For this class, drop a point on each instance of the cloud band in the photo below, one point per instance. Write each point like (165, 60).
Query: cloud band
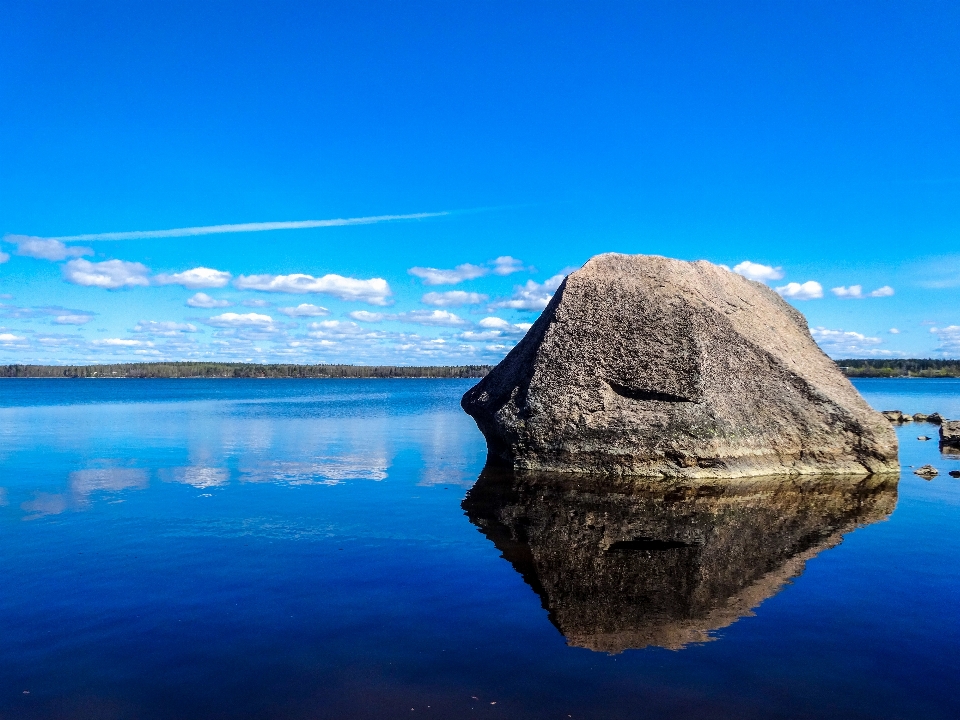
(244, 227)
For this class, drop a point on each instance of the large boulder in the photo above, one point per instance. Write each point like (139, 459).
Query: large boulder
(642, 365)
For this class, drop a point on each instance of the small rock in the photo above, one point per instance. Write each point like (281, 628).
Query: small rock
(935, 418)
(920, 417)
(954, 473)
(922, 437)
(896, 416)
(927, 472)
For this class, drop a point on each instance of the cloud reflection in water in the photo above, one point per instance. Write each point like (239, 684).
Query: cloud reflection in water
(197, 476)
(319, 471)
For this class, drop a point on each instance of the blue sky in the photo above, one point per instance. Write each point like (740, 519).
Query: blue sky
(819, 143)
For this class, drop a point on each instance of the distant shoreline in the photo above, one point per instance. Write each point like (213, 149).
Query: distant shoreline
(201, 371)
(853, 368)
(900, 368)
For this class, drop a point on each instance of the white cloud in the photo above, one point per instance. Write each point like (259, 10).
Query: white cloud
(494, 328)
(9, 337)
(893, 331)
(335, 328)
(949, 338)
(122, 342)
(255, 302)
(856, 292)
(241, 320)
(72, 319)
(809, 290)
(304, 310)
(4, 257)
(420, 317)
(533, 295)
(505, 265)
(474, 336)
(436, 276)
(367, 316)
(202, 300)
(375, 291)
(846, 341)
(453, 298)
(44, 249)
(494, 323)
(167, 328)
(198, 277)
(431, 317)
(756, 271)
(110, 274)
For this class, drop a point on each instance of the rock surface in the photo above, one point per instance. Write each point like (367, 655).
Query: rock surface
(950, 434)
(638, 564)
(896, 416)
(927, 472)
(646, 366)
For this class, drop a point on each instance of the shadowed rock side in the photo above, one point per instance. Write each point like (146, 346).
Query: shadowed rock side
(642, 365)
(631, 565)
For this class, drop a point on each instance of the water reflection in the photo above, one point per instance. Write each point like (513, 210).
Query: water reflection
(631, 566)
(84, 483)
(198, 476)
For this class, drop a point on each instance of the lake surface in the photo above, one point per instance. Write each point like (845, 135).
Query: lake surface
(308, 549)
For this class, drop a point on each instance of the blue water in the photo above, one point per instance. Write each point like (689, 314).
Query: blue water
(298, 549)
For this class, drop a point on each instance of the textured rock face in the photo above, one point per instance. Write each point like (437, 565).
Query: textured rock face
(950, 436)
(642, 365)
(638, 564)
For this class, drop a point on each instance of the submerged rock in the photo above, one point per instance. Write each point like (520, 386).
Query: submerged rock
(954, 473)
(642, 365)
(639, 564)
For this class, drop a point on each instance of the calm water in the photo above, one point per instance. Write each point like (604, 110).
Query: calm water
(307, 549)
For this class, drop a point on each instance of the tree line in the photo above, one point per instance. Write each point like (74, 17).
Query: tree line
(239, 370)
(900, 368)
(851, 367)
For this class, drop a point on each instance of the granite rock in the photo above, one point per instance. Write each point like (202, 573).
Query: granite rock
(647, 366)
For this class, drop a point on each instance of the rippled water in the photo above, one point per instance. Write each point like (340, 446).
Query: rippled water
(309, 549)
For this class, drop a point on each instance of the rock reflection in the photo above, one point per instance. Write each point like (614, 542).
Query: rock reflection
(647, 564)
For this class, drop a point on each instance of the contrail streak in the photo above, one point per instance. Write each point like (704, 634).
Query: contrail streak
(244, 227)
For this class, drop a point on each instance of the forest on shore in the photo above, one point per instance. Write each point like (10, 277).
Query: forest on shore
(851, 367)
(900, 368)
(239, 370)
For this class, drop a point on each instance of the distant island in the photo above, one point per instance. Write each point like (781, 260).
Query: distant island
(239, 370)
(852, 368)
